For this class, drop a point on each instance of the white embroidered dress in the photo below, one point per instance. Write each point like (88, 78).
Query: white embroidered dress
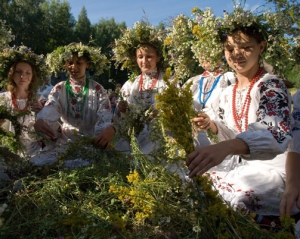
(28, 136)
(255, 181)
(77, 116)
(135, 93)
(213, 85)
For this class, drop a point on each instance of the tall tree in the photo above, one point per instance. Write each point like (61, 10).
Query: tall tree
(25, 18)
(60, 24)
(104, 34)
(83, 27)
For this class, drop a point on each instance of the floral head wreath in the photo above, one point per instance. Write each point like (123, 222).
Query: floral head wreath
(178, 44)
(142, 33)
(10, 55)
(211, 32)
(97, 62)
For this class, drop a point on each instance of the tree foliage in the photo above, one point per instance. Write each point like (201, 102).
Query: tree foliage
(83, 28)
(104, 34)
(59, 24)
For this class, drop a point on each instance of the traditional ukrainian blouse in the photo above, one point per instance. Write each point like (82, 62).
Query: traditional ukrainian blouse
(78, 116)
(269, 122)
(28, 137)
(214, 83)
(295, 143)
(133, 92)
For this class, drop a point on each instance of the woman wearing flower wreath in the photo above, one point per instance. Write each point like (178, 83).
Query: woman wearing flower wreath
(140, 50)
(80, 103)
(253, 125)
(186, 42)
(206, 89)
(23, 72)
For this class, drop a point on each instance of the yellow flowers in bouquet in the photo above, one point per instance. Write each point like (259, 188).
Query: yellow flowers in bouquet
(176, 109)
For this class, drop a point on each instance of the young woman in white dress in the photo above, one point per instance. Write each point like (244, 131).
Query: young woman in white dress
(25, 72)
(253, 127)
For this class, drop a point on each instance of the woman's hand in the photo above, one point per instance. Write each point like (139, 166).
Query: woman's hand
(105, 137)
(292, 191)
(290, 197)
(122, 107)
(204, 158)
(41, 126)
(36, 106)
(202, 121)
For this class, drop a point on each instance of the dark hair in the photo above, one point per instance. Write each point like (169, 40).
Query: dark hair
(251, 31)
(12, 87)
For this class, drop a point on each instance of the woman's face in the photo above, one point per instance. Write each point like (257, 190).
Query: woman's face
(77, 66)
(242, 52)
(22, 75)
(146, 58)
(205, 64)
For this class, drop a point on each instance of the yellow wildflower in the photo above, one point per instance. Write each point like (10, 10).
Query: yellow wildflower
(195, 9)
(140, 217)
(133, 177)
(167, 41)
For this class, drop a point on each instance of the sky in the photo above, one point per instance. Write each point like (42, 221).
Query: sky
(156, 11)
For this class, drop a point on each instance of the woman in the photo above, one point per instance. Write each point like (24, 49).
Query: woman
(206, 89)
(25, 72)
(79, 103)
(144, 57)
(253, 126)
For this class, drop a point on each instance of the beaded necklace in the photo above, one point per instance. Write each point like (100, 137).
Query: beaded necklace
(208, 93)
(76, 98)
(246, 104)
(15, 104)
(142, 88)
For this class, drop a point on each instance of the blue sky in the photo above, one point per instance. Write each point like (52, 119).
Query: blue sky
(156, 11)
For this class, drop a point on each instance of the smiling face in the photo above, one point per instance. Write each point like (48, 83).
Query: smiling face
(242, 52)
(22, 75)
(77, 66)
(147, 58)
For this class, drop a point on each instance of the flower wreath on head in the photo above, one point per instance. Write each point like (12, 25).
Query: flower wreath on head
(97, 62)
(206, 43)
(178, 44)
(124, 48)
(272, 26)
(10, 55)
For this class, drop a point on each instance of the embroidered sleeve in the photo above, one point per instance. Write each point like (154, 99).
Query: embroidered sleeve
(52, 108)
(126, 90)
(271, 133)
(104, 115)
(295, 144)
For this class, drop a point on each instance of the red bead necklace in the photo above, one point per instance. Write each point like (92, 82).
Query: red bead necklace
(246, 105)
(15, 105)
(141, 88)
